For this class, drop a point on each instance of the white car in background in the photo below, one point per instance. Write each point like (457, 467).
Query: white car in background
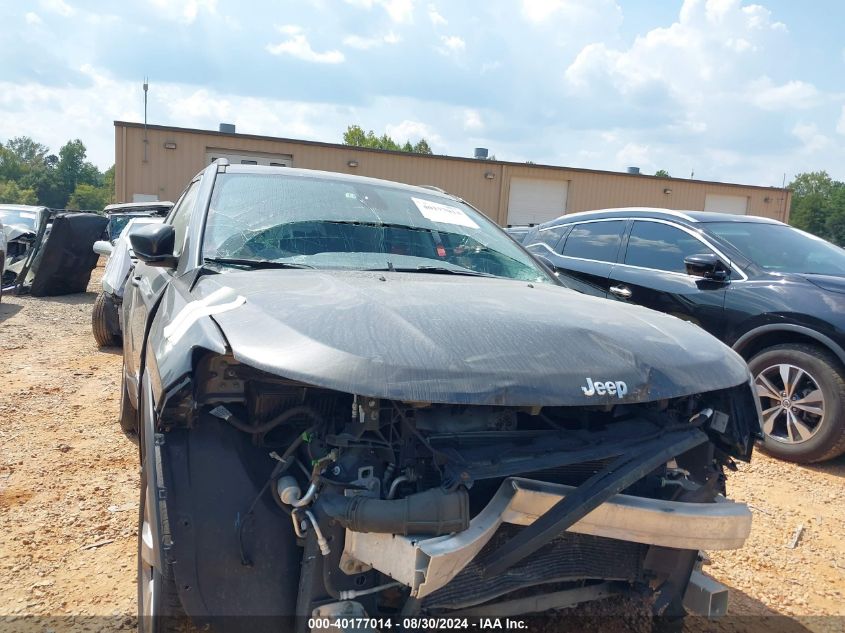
(105, 317)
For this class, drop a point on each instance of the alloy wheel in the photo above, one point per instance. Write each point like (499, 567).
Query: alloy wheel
(792, 402)
(147, 590)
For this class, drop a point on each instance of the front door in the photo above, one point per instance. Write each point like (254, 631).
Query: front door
(652, 274)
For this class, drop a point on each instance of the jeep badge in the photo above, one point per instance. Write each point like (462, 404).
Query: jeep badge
(610, 387)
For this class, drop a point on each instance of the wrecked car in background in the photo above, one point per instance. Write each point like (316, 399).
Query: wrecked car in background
(120, 214)
(49, 251)
(363, 398)
(105, 315)
(20, 227)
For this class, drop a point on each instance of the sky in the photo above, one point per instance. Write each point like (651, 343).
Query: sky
(728, 90)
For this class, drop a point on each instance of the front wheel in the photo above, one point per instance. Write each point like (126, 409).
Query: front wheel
(802, 397)
(159, 608)
(100, 319)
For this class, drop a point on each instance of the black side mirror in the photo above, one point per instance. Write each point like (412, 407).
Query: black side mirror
(708, 266)
(153, 244)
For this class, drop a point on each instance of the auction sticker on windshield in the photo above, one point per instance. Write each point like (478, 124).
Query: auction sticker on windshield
(443, 213)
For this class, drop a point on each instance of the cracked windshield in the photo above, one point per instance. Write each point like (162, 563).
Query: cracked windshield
(335, 224)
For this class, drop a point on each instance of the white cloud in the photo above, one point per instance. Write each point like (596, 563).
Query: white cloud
(540, 10)
(400, 11)
(635, 155)
(813, 141)
(435, 17)
(704, 53)
(32, 18)
(472, 120)
(412, 131)
(593, 17)
(184, 11)
(792, 95)
(60, 7)
(366, 43)
(451, 44)
(840, 125)
(298, 46)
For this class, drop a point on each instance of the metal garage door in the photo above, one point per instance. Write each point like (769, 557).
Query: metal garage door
(249, 158)
(726, 204)
(535, 200)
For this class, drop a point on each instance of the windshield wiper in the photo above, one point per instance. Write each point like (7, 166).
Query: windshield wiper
(252, 263)
(439, 270)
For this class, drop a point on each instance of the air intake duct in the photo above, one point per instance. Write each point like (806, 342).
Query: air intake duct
(432, 512)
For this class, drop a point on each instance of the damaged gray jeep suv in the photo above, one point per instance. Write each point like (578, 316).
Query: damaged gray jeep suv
(354, 397)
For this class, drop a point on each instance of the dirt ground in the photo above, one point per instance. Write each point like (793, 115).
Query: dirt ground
(69, 492)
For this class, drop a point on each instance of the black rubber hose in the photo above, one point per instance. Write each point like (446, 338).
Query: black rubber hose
(434, 512)
(279, 419)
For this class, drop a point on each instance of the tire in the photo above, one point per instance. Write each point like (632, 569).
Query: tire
(808, 424)
(100, 322)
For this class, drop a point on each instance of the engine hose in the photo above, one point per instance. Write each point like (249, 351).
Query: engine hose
(433, 511)
(350, 594)
(272, 424)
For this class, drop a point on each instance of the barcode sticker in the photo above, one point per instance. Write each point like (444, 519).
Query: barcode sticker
(443, 213)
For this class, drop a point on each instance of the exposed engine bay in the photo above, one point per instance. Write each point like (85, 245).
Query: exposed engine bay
(425, 508)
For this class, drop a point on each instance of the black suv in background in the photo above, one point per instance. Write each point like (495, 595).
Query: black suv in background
(772, 292)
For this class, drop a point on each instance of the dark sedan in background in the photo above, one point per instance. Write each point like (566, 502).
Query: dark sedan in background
(772, 292)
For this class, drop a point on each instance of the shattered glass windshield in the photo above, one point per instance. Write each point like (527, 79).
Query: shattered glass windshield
(21, 218)
(344, 224)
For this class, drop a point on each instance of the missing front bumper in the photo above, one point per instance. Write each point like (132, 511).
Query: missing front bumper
(427, 564)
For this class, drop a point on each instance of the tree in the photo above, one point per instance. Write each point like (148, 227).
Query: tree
(422, 147)
(356, 136)
(89, 198)
(11, 167)
(818, 205)
(30, 169)
(662, 173)
(835, 223)
(28, 151)
(809, 213)
(811, 182)
(11, 193)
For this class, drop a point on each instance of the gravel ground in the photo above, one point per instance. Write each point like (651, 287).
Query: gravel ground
(69, 494)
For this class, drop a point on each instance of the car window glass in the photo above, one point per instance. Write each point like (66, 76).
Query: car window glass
(662, 247)
(336, 223)
(180, 216)
(595, 240)
(780, 248)
(550, 237)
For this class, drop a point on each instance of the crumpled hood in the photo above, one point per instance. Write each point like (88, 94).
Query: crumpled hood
(467, 340)
(15, 231)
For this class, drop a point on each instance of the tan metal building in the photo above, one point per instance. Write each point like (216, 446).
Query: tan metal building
(156, 162)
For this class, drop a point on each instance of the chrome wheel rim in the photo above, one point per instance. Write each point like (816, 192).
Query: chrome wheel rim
(792, 403)
(146, 575)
